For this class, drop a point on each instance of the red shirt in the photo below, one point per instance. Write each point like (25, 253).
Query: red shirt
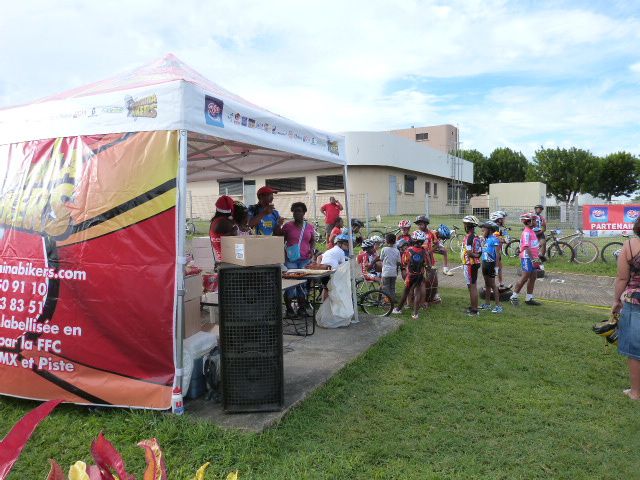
(334, 231)
(331, 212)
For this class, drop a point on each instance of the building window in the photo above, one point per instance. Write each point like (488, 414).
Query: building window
(293, 184)
(230, 187)
(409, 183)
(427, 188)
(456, 194)
(330, 182)
(422, 137)
(435, 189)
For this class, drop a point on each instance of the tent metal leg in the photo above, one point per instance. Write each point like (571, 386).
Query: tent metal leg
(181, 257)
(351, 245)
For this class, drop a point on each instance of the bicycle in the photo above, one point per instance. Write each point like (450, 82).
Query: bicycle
(611, 251)
(455, 242)
(372, 301)
(556, 249)
(319, 235)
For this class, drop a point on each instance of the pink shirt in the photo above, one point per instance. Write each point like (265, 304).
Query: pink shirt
(529, 239)
(292, 235)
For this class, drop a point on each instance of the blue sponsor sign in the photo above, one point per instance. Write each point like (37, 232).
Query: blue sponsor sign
(599, 214)
(213, 111)
(631, 214)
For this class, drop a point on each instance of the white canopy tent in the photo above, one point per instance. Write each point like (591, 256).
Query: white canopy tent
(221, 134)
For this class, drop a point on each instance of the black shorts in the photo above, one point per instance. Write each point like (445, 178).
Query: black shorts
(489, 269)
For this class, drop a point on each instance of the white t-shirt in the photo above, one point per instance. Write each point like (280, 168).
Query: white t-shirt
(334, 256)
(390, 257)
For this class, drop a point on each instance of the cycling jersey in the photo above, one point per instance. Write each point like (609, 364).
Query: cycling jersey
(529, 239)
(472, 244)
(490, 245)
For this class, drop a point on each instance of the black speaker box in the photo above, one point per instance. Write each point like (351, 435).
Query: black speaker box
(250, 300)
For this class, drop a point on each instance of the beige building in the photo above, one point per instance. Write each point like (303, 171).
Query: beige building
(387, 175)
(441, 137)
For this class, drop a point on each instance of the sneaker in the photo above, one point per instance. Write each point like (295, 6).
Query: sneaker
(533, 302)
(515, 301)
(437, 298)
(473, 313)
(497, 309)
(485, 306)
(415, 316)
(446, 271)
(396, 311)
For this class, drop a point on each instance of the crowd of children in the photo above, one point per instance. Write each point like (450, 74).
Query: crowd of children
(412, 256)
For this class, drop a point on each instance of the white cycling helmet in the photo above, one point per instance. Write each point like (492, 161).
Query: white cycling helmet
(419, 235)
(376, 239)
(493, 216)
(471, 219)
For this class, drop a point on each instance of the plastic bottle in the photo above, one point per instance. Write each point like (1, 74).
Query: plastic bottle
(177, 405)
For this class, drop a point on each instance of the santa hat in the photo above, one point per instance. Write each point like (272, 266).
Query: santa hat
(224, 204)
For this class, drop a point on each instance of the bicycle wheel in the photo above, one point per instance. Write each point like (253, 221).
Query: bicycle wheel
(586, 251)
(376, 303)
(513, 248)
(455, 243)
(320, 238)
(560, 252)
(610, 252)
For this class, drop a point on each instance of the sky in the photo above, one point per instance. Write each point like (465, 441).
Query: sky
(518, 74)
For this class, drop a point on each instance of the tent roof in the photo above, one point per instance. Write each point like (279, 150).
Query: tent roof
(163, 70)
(167, 94)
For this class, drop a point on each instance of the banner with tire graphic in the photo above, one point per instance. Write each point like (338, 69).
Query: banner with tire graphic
(87, 270)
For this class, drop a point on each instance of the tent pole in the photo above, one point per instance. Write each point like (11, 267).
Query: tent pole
(352, 262)
(181, 260)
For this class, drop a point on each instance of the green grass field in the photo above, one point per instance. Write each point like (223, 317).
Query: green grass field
(527, 394)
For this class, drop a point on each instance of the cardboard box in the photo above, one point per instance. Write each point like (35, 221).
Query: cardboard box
(253, 250)
(192, 317)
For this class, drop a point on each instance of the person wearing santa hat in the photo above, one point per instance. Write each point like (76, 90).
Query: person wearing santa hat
(222, 225)
(263, 216)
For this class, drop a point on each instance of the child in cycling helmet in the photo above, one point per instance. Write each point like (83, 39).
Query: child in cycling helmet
(432, 295)
(442, 234)
(529, 254)
(415, 261)
(471, 253)
(490, 257)
(366, 260)
(402, 246)
(404, 226)
(501, 234)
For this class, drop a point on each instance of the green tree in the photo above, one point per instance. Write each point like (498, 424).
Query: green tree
(618, 174)
(565, 172)
(480, 179)
(506, 166)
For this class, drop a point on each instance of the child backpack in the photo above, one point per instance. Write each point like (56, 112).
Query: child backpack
(417, 261)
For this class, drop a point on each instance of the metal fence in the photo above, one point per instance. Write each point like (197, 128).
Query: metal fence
(443, 211)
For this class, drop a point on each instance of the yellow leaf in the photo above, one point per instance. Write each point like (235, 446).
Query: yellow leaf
(233, 476)
(78, 471)
(201, 471)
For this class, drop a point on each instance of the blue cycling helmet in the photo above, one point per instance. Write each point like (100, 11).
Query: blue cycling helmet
(444, 231)
(343, 237)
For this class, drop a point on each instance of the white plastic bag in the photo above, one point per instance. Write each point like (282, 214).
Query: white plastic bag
(337, 310)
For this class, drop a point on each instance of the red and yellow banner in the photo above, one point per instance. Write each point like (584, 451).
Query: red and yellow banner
(87, 270)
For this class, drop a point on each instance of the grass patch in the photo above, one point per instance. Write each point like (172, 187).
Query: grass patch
(527, 394)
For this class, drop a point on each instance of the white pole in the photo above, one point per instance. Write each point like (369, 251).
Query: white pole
(426, 204)
(181, 259)
(366, 211)
(315, 206)
(354, 294)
